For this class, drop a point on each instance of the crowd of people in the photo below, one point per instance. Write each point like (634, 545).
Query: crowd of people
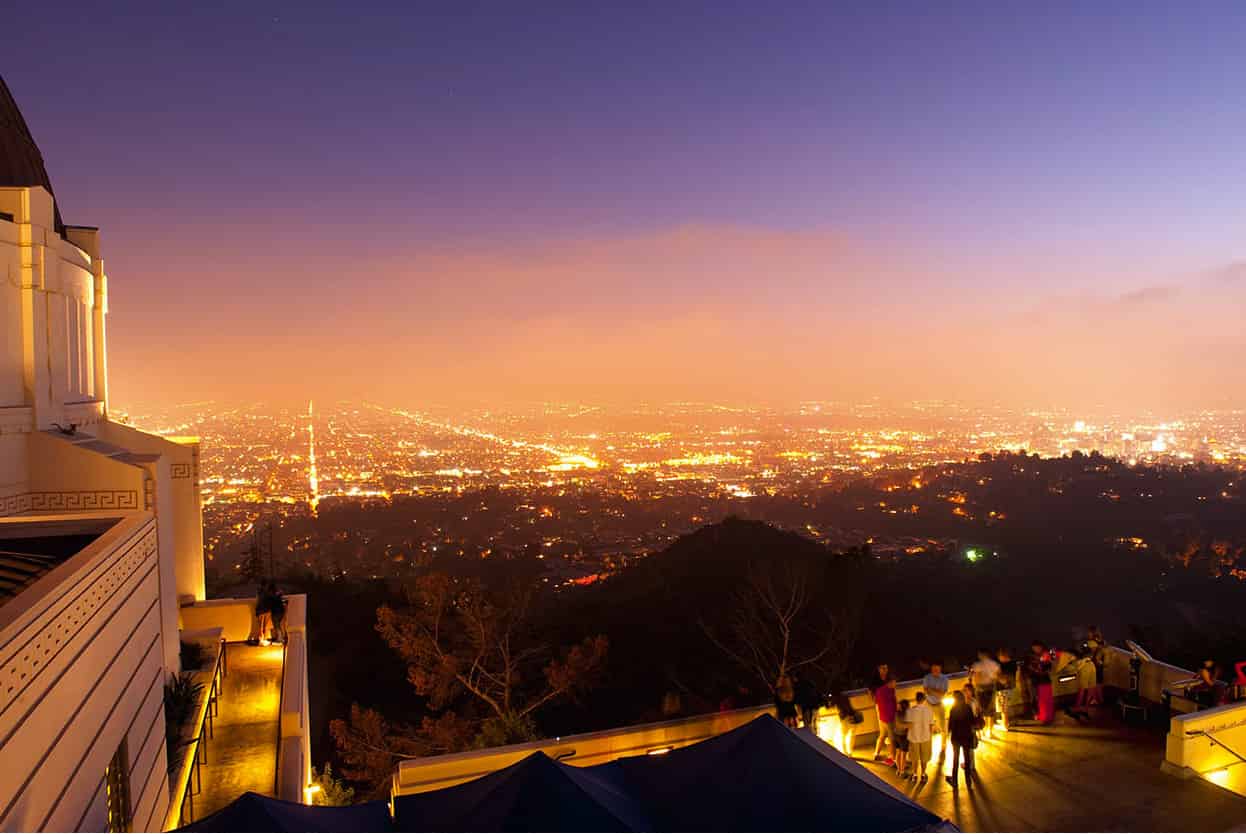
(1000, 688)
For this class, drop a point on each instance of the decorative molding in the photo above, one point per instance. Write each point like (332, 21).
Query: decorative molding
(84, 413)
(85, 499)
(20, 668)
(180, 470)
(15, 504)
(149, 493)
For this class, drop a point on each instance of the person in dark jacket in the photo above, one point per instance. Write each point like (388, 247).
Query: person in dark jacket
(808, 699)
(962, 737)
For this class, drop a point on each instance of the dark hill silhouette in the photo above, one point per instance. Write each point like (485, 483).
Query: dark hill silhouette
(657, 613)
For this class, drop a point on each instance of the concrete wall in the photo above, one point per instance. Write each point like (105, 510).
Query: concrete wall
(433, 772)
(69, 476)
(1188, 749)
(81, 670)
(184, 505)
(235, 617)
(294, 751)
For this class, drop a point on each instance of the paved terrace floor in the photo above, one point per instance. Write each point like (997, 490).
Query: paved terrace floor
(242, 754)
(1098, 776)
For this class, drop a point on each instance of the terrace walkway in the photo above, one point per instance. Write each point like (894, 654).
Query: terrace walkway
(242, 754)
(1099, 776)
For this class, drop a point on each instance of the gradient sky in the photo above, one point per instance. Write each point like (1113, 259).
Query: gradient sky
(423, 201)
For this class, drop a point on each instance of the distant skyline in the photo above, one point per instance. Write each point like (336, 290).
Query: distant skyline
(437, 202)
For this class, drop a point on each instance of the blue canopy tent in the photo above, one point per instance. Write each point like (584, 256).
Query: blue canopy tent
(759, 777)
(534, 794)
(253, 812)
(764, 777)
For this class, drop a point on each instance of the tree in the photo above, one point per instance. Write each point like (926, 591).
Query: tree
(781, 620)
(465, 643)
(370, 747)
(332, 790)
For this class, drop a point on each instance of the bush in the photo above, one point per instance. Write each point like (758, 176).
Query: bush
(332, 790)
(181, 694)
(194, 656)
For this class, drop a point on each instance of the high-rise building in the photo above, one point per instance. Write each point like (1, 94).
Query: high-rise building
(101, 558)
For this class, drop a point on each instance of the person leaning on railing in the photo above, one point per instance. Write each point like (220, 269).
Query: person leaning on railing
(936, 685)
(849, 718)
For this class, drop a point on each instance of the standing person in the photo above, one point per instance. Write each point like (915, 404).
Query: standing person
(263, 613)
(849, 718)
(1007, 685)
(975, 707)
(277, 613)
(902, 739)
(880, 676)
(984, 674)
(962, 737)
(921, 723)
(1099, 654)
(785, 700)
(1040, 678)
(935, 686)
(808, 699)
(885, 706)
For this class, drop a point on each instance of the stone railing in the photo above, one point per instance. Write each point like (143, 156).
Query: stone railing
(294, 732)
(237, 621)
(433, 772)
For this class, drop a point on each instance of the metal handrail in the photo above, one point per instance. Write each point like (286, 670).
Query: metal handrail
(186, 809)
(1217, 742)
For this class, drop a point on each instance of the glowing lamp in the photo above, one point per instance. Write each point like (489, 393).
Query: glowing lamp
(659, 751)
(949, 701)
(973, 554)
(309, 792)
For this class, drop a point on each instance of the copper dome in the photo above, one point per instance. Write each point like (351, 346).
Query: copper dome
(21, 164)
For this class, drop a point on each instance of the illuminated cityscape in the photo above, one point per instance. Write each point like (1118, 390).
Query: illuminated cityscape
(594, 486)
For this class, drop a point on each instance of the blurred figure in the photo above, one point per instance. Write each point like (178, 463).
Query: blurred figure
(1006, 687)
(808, 699)
(849, 718)
(985, 673)
(785, 700)
(1039, 672)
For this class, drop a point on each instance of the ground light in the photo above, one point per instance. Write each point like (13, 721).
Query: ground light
(309, 792)
(973, 554)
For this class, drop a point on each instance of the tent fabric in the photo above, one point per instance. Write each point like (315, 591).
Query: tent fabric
(534, 794)
(763, 776)
(758, 777)
(253, 812)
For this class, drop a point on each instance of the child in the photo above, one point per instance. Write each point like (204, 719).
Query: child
(902, 738)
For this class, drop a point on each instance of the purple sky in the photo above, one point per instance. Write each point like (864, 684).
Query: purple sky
(419, 200)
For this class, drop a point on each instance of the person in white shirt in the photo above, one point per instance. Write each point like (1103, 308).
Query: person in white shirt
(921, 722)
(984, 675)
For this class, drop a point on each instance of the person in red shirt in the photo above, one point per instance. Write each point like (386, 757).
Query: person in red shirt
(885, 704)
